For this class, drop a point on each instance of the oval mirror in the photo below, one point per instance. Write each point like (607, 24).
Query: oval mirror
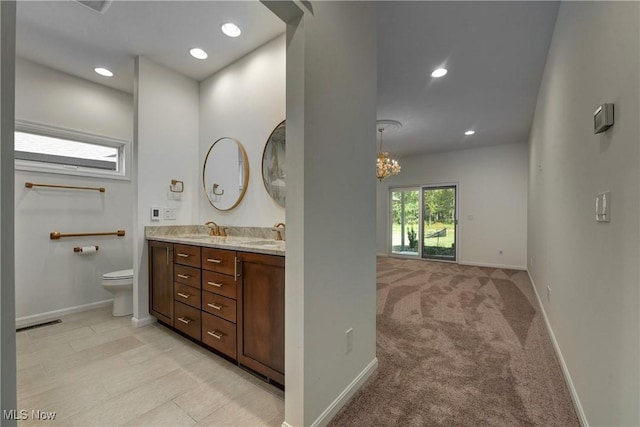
(225, 173)
(273, 165)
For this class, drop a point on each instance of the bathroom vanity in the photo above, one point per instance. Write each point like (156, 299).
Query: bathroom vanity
(227, 293)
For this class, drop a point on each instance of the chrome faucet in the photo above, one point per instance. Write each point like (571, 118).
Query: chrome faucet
(214, 229)
(278, 231)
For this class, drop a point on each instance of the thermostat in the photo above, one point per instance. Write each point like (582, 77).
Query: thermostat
(603, 118)
(155, 213)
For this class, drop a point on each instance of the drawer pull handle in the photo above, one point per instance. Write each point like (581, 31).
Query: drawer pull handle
(217, 285)
(184, 320)
(183, 276)
(183, 255)
(216, 306)
(184, 295)
(217, 261)
(216, 334)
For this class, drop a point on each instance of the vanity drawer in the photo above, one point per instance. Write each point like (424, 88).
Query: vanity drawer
(186, 255)
(218, 260)
(220, 306)
(187, 319)
(219, 334)
(187, 275)
(186, 294)
(220, 284)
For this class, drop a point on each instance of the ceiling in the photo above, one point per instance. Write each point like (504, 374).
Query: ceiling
(495, 53)
(73, 38)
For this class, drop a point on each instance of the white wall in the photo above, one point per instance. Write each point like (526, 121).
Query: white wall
(492, 200)
(49, 275)
(330, 275)
(245, 101)
(166, 109)
(592, 268)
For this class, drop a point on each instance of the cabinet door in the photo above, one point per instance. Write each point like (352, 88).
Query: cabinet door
(261, 314)
(161, 281)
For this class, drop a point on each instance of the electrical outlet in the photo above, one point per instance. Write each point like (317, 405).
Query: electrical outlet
(549, 293)
(500, 252)
(531, 261)
(349, 334)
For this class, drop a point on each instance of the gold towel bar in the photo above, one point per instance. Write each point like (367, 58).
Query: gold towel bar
(31, 185)
(55, 235)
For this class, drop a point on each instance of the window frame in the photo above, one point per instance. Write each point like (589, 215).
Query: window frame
(123, 146)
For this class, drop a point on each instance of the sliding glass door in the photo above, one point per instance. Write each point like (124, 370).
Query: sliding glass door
(439, 222)
(424, 222)
(405, 221)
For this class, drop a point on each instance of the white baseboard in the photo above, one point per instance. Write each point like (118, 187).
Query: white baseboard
(35, 319)
(484, 264)
(344, 397)
(144, 321)
(286, 424)
(582, 417)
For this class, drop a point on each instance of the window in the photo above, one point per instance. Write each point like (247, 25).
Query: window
(51, 149)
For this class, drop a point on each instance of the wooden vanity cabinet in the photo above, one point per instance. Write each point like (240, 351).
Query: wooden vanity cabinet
(232, 302)
(261, 314)
(161, 281)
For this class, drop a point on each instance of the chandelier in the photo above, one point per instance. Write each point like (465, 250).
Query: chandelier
(385, 165)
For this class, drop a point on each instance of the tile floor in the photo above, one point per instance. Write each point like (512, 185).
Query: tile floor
(97, 370)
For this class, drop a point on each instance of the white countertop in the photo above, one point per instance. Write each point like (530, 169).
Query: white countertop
(234, 243)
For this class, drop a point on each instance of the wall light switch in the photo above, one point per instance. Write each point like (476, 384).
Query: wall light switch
(603, 207)
(169, 213)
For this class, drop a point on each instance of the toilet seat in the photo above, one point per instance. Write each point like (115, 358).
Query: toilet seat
(118, 275)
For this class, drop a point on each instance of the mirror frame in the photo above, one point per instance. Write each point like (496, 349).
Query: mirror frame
(245, 159)
(264, 151)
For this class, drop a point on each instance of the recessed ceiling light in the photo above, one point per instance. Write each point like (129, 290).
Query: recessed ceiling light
(198, 53)
(439, 72)
(470, 132)
(103, 72)
(230, 29)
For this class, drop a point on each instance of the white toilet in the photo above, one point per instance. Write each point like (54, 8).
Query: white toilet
(120, 284)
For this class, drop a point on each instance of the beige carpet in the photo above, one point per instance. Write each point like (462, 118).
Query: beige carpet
(459, 346)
